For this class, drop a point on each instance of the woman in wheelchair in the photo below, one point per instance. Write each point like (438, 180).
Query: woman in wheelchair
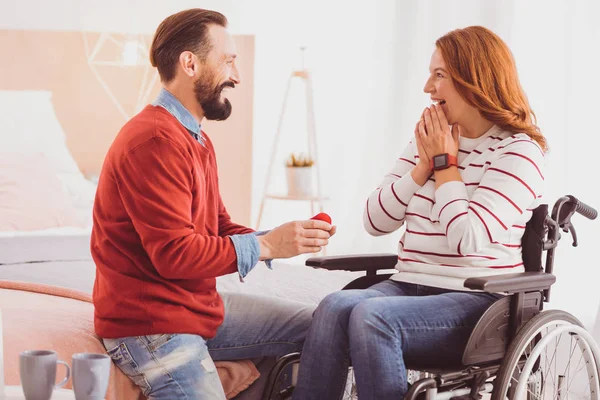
(464, 188)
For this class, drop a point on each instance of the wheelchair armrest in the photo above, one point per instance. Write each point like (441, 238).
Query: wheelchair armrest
(512, 283)
(359, 262)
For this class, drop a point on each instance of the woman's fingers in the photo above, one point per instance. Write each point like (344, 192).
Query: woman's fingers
(441, 117)
(424, 140)
(431, 130)
(422, 132)
(418, 137)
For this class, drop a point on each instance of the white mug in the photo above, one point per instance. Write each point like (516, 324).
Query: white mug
(90, 375)
(37, 369)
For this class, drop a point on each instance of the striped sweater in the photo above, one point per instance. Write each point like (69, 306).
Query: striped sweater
(462, 229)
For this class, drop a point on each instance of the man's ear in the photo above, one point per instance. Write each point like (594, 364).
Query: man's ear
(188, 63)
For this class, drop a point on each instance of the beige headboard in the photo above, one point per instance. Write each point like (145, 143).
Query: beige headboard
(56, 61)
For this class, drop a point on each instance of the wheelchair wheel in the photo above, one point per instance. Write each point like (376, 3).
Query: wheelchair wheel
(552, 357)
(283, 378)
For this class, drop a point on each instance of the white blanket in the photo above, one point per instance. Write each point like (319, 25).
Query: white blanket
(57, 244)
(62, 258)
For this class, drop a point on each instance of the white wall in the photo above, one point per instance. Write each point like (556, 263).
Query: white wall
(125, 16)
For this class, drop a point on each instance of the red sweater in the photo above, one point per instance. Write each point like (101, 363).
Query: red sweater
(160, 232)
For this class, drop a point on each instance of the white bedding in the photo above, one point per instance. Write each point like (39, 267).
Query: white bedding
(62, 257)
(41, 185)
(66, 230)
(78, 275)
(56, 244)
(289, 280)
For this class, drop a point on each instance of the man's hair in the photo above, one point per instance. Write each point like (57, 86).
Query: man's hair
(185, 31)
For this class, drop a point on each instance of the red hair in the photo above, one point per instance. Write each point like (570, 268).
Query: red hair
(485, 76)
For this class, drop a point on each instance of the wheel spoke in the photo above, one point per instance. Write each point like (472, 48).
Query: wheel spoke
(577, 367)
(566, 371)
(549, 371)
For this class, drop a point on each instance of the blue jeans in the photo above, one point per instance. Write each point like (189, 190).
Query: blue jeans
(180, 366)
(380, 329)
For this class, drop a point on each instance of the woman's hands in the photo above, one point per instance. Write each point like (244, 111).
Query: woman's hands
(422, 171)
(435, 135)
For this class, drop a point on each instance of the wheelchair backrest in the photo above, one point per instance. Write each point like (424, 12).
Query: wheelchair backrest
(532, 243)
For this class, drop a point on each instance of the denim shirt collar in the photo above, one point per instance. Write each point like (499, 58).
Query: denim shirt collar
(170, 103)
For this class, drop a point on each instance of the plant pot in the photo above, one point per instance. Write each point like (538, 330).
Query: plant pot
(299, 181)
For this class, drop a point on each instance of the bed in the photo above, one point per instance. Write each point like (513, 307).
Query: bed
(45, 227)
(47, 304)
(61, 257)
(41, 270)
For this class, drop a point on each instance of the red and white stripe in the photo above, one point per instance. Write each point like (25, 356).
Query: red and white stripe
(464, 228)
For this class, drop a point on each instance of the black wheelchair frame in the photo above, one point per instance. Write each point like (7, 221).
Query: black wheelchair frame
(500, 324)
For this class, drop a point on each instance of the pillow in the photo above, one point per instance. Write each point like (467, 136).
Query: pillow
(82, 193)
(28, 124)
(31, 195)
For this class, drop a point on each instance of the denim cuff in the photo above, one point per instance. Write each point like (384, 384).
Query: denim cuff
(247, 251)
(268, 262)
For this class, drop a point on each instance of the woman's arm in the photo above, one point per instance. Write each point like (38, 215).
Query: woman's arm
(510, 186)
(385, 208)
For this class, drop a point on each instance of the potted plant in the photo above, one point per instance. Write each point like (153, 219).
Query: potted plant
(299, 172)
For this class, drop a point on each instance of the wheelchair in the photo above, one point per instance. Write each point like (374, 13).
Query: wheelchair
(509, 353)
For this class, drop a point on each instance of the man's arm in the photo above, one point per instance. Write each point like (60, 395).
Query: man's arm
(244, 239)
(155, 184)
(228, 227)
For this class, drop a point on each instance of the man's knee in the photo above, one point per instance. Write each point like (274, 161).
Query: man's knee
(300, 320)
(305, 315)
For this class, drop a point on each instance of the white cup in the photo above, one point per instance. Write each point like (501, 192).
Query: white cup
(37, 369)
(90, 375)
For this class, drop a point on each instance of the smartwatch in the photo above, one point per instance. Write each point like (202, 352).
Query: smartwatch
(442, 161)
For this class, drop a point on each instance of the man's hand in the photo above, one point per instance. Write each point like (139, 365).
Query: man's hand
(294, 238)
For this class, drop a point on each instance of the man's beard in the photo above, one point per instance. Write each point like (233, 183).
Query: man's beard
(209, 98)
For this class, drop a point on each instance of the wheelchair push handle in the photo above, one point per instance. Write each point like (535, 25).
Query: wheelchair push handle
(583, 209)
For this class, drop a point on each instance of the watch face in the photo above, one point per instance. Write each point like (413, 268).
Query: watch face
(440, 161)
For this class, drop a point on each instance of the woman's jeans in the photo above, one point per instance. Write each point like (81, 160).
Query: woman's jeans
(381, 329)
